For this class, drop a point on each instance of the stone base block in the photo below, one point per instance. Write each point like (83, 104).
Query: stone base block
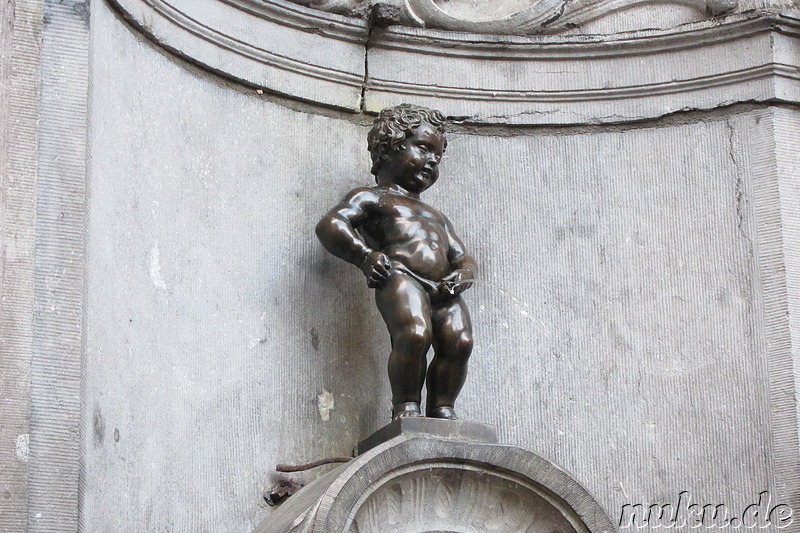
(432, 427)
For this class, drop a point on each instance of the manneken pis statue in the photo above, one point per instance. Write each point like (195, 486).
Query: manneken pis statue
(413, 259)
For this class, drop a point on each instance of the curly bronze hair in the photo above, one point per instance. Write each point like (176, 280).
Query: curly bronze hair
(396, 124)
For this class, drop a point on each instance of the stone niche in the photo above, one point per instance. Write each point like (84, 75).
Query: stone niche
(422, 482)
(633, 193)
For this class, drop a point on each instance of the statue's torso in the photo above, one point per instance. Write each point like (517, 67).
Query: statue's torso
(409, 232)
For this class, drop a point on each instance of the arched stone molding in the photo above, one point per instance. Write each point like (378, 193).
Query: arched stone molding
(422, 484)
(279, 46)
(516, 17)
(534, 16)
(588, 79)
(339, 62)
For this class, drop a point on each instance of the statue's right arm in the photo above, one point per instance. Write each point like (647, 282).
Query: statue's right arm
(337, 229)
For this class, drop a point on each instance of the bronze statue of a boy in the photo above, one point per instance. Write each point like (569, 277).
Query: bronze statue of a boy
(411, 257)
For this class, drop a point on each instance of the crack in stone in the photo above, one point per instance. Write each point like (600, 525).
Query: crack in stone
(739, 187)
(557, 16)
(362, 103)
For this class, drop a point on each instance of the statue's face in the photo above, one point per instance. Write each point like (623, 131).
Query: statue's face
(415, 165)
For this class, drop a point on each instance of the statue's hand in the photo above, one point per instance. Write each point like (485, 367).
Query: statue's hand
(376, 267)
(456, 282)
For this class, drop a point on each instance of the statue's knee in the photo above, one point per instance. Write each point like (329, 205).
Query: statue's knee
(463, 345)
(417, 337)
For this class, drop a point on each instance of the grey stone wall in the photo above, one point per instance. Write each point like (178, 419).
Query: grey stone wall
(43, 119)
(170, 324)
(19, 103)
(211, 308)
(62, 174)
(620, 332)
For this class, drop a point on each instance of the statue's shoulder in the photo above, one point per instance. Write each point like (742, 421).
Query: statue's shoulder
(364, 195)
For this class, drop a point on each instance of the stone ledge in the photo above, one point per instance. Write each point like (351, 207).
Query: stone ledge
(431, 427)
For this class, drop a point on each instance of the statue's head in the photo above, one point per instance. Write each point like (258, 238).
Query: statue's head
(396, 124)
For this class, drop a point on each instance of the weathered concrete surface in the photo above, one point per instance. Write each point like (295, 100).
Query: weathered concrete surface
(776, 196)
(58, 312)
(20, 34)
(631, 305)
(211, 316)
(43, 117)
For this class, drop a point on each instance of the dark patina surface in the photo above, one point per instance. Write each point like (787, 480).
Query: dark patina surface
(412, 257)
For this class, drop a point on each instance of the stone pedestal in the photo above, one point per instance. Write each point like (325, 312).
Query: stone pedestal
(421, 474)
(431, 427)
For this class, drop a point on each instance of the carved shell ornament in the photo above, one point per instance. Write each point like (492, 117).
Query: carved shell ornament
(507, 16)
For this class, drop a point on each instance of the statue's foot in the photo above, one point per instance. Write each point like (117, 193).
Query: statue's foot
(404, 410)
(445, 412)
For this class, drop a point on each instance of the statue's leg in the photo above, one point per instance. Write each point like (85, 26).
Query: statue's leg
(406, 309)
(452, 344)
